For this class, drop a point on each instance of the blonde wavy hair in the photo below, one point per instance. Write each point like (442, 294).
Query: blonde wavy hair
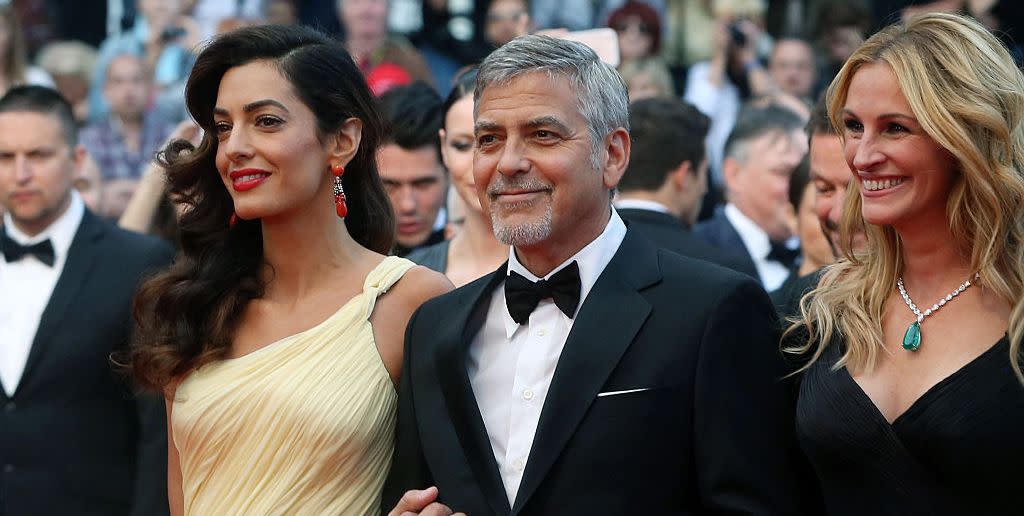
(968, 95)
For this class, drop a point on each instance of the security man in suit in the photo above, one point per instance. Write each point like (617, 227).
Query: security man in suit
(73, 437)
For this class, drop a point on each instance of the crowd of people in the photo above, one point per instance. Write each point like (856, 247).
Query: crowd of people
(511, 257)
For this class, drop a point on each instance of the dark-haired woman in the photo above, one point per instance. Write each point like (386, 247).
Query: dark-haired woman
(277, 335)
(474, 251)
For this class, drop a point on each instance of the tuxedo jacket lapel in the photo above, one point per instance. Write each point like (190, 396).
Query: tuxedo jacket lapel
(604, 328)
(82, 256)
(463, 410)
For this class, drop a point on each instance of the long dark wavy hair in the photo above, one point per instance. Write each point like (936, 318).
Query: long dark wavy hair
(188, 315)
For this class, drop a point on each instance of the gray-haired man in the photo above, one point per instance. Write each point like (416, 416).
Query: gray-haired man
(593, 373)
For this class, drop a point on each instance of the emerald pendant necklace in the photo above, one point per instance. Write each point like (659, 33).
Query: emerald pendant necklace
(912, 338)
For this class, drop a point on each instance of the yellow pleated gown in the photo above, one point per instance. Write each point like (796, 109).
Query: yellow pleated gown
(304, 425)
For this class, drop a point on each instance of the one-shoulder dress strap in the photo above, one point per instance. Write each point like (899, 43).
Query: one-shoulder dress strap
(381, 278)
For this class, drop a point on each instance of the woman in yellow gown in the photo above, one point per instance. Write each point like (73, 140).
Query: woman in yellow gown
(277, 335)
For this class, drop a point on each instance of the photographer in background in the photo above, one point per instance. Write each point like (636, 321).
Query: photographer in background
(164, 35)
(735, 73)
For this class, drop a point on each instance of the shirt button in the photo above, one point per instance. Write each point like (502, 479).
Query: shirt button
(9, 406)
(527, 394)
(541, 332)
(519, 464)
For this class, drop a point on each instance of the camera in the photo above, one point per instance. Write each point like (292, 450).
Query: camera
(171, 33)
(738, 37)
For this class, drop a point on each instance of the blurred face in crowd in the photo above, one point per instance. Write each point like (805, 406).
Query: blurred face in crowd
(457, 151)
(635, 39)
(533, 165)
(415, 182)
(364, 19)
(269, 155)
(905, 176)
(792, 67)
(816, 248)
(506, 20)
(841, 43)
(37, 167)
(830, 176)
(127, 88)
(758, 181)
(281, 12)
(160, 13)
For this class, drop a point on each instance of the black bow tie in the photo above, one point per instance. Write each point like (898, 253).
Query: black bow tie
(14, 251)
(783, 254)
(522, 295)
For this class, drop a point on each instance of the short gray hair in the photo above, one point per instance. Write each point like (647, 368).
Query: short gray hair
(603, 102)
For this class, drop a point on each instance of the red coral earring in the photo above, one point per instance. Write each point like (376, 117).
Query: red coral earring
(339, 191)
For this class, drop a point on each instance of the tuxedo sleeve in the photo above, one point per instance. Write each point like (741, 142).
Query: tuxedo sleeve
(150, 494)
(408, 466)
(747, 459)
(151, 457)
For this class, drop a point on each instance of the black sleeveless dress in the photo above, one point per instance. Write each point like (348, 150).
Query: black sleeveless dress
(959, 449)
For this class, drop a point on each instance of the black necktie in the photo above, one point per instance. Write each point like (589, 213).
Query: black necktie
(14, 251)
(783, 254)
(522, 295)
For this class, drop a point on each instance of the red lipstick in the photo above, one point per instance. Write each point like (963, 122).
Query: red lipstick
(247, 178)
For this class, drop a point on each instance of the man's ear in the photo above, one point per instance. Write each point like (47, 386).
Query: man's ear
(344, 143)
(617, 148)
(680, 177)
(78, 157)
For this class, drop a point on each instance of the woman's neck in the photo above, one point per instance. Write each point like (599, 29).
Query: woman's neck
(303, 251)
(475, 249)
(932, 266)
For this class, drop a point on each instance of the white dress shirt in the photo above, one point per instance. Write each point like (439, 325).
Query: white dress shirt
(25, 289)
(641, 204)
(772, 273)
(510, 365)
(721, 104)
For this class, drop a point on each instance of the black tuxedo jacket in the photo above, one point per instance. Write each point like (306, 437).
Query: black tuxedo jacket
(668, 232)
(719, 232)
(73, 438)
(711, 431)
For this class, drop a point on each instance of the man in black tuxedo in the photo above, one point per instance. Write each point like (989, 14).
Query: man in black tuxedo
(756, 224)
(630, 379)
(661, 192)
(73, 438)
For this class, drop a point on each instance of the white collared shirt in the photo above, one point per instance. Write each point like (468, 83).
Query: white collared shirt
(772, 273)
(641, 204)
(510, 366)
(26, 286)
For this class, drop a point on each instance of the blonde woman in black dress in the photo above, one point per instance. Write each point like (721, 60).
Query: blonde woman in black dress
(913, 401)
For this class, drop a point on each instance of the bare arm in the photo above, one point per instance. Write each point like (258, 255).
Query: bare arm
(175, 494)
(138, 215)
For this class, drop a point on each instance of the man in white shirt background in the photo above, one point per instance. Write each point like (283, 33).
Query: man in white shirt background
(73, 438)
(757, 221)
(593, 373)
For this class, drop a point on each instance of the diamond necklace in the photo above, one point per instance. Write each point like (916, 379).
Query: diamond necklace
(912, 338)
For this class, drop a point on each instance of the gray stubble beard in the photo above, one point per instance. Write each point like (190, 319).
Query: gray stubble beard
(528, 233)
